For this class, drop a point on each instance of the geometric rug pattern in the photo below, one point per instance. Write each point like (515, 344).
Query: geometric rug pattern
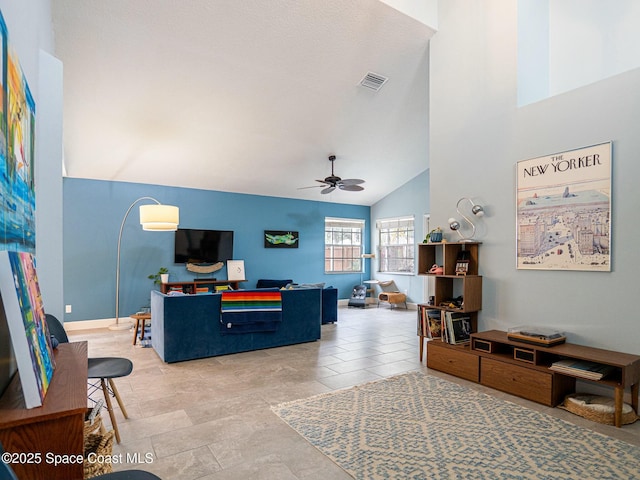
(415, 426)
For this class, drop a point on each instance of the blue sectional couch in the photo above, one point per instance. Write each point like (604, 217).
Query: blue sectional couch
(329, 296)
(187, 327)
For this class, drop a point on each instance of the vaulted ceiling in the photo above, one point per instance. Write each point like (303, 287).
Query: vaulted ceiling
(243, 96)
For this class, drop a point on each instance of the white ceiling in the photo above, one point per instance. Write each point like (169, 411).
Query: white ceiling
(243, 96)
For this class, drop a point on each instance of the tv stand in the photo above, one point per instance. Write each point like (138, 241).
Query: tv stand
(522, 369)
(192, 286)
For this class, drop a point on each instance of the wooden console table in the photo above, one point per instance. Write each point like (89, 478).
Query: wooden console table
(190, 286)
(55, 428)
(522, 369)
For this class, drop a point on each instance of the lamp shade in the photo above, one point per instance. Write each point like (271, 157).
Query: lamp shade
(159, 217)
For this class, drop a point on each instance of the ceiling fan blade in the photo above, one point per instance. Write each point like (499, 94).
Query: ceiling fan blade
(323, 182)
(352, 181)
(333, 181)
(350, 188)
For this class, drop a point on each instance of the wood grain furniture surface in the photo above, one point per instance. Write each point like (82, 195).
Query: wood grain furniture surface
(522, 369)
(55, 428)
(191, 286)
(140, 323)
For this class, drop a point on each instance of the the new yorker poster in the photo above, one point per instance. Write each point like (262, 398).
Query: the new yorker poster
(564, 210)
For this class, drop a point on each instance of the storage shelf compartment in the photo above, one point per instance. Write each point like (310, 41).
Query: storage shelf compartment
(446, 255)
(450, 287)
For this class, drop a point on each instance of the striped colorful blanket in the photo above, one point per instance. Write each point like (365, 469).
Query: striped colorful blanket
(250, 311)
(251, 301)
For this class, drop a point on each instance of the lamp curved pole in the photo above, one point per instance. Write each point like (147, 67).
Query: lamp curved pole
(118, 325)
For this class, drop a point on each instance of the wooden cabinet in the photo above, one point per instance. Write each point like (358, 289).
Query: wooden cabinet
(522, 369)
(192, 286)
(535, 385)
(55, 428)
(453, 360)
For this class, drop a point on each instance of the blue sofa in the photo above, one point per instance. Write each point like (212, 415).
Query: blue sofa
(329, 296)
(329, 305)
(187, 327)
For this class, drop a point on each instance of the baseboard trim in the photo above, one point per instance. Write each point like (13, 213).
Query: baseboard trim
(106, 322)
(91, 324)
(410, 306)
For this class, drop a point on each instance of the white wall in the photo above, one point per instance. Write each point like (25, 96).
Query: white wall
(49, 238)
(591, 40)
(29, 24)
(566, 44)
(477, 136)
(425, 11)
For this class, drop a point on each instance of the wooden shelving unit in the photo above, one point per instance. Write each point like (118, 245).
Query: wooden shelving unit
(449, 286)
(494, 360)
(191, 286)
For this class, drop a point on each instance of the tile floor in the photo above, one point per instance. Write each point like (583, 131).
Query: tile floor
(210, 419)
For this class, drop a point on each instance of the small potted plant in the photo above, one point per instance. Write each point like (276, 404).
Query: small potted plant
(434, 236)
(161, 277)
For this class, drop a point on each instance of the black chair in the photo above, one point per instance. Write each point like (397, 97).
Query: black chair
(7, 473)
(104, 369)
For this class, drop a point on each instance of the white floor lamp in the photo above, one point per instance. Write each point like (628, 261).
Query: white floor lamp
(155, 218)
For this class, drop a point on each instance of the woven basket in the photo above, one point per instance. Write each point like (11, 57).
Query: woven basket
(95, 427)
(597, 409)
(101, 445)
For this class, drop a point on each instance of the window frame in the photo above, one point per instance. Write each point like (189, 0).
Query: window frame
(349, 255)
(385, 226)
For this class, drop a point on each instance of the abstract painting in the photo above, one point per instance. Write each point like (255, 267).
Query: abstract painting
(564, 210)
(27, 324)
(17, 141)
(280, 239)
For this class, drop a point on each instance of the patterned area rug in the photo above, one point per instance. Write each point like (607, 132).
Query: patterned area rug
(416, 426)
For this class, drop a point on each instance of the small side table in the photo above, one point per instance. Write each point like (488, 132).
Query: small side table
(140, 318)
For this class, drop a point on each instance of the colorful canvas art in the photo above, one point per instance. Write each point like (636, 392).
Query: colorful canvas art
(3, 91)
(280, 239)
(17, 141)
(27, 324)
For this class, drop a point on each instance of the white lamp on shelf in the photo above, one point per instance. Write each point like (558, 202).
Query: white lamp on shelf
(153, 218)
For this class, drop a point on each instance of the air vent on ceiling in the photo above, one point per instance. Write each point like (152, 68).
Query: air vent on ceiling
(373, 81)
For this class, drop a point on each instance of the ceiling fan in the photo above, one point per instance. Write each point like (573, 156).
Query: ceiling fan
(332, 182)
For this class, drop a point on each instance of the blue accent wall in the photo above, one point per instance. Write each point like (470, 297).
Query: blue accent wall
(93, 212)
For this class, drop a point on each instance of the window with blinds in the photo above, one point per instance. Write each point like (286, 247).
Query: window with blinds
(343, 245)
(396, 245)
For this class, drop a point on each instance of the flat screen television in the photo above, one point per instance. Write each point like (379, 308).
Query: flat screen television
(203, 246)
